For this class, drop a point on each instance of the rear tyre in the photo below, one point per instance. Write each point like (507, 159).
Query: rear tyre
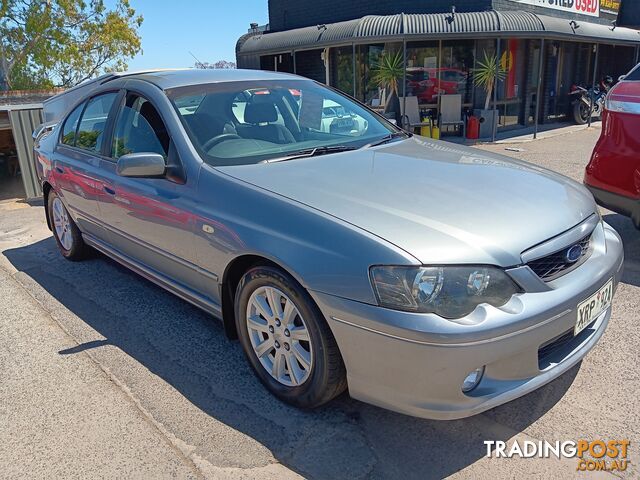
(65, 231)
(287, 340)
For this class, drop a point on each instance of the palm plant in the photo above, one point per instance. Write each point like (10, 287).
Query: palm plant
(487, 73)
(388, 71)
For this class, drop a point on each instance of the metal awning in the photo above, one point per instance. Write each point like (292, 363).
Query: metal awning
(424, 26)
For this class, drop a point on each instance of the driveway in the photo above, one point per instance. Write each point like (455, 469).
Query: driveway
(94, 353)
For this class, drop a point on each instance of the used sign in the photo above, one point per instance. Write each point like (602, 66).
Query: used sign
(583, 7)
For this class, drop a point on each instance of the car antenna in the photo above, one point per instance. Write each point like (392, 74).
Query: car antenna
(198, 62)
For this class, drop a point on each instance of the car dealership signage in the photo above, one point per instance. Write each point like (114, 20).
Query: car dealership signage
(583, 7)
(610, 6)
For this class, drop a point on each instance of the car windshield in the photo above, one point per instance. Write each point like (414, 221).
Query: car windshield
(239, 123)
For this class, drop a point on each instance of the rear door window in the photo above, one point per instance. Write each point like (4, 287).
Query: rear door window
(94, 119)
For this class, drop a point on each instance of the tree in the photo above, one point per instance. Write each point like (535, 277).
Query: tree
(63, 42)
(487, 73)
(223, 64)
(387, 74)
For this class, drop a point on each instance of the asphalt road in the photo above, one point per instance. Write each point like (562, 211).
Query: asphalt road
(104, 374)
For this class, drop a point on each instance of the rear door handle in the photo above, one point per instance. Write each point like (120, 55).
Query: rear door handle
(59, 170)
(109, 190)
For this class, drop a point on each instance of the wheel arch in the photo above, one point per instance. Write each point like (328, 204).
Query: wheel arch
(46, 189)
(230, 279)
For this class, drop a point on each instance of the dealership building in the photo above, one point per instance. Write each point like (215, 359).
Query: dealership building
(542, 47)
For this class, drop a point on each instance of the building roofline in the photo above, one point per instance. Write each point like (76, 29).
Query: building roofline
(492, 23)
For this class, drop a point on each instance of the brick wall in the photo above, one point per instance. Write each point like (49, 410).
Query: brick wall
(288, 14)
(23, 97)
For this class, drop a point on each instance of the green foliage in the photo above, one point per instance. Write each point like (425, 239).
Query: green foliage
(23, 78)
(388, 71)
(88, 139)
(485, 75)
(63, 42)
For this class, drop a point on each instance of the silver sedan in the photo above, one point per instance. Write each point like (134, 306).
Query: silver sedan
(424, 277)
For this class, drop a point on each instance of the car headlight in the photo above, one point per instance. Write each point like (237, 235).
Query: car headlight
(451, 292)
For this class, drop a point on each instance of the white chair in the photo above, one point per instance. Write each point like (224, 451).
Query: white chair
(411, 114)
(451, 112)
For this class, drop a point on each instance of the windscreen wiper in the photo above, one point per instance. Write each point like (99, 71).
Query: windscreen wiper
(311, 152)
(387, 139)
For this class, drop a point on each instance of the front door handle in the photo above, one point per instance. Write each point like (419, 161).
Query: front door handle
(59, 170)
(109, 190)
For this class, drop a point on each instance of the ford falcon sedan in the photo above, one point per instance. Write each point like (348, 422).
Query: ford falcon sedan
(424, 277)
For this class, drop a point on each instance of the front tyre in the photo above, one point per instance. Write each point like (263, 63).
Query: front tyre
(65, 231)
(287, 340)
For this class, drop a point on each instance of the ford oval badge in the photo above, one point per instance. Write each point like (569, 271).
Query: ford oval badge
(574, 253)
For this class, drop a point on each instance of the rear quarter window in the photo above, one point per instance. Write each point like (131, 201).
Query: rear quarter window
(71, 125)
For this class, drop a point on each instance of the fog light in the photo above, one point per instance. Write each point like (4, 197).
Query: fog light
(472, 380)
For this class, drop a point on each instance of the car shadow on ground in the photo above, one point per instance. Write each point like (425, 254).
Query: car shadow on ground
(631, 241)
(188, 349)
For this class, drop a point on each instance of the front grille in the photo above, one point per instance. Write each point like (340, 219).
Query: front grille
(555, 265)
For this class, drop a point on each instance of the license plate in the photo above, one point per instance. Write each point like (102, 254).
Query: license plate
(593, 306)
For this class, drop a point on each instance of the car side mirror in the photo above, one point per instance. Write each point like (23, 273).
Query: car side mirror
(141, 165)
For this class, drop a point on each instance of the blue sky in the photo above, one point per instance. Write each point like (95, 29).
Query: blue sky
(209, 29)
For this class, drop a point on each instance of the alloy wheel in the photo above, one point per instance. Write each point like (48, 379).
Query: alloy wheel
(62, 224)
(279, 336)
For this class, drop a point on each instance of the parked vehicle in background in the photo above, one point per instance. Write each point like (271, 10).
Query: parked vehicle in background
(428, 83)
(613, 174)
(589, 102)
(429, 278)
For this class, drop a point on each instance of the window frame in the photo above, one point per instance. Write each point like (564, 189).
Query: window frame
(107, 128)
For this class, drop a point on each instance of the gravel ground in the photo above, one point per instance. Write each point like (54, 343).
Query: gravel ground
(106, 375)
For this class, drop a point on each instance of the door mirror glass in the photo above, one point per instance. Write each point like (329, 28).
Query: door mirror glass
(145, 164)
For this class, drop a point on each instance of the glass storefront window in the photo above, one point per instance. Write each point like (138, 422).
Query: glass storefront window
(511, 89)
(342, 69)
(367, 57)
(435, 68)
(423, 62)
(455, 72)
(484, 48)
(615, 60)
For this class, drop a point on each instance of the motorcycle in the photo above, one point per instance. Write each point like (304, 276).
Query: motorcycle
(589, 102)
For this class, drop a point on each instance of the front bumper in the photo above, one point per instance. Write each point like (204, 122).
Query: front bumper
(416, 363)
(627, 206)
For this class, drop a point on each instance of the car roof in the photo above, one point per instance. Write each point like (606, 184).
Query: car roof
(167, 79)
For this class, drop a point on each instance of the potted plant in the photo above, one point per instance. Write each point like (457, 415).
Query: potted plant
(488, 72)
(387, 74)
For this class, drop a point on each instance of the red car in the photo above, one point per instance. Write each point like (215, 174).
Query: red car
(425, 84)
(613, 174)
